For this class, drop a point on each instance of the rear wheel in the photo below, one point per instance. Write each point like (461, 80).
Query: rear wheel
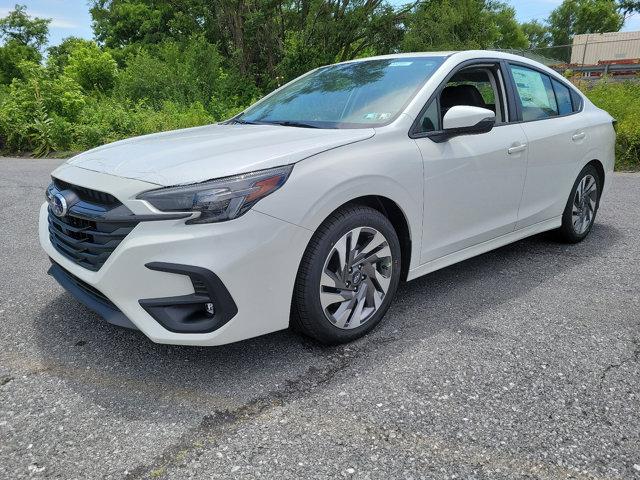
(348, 276)
(582, 206)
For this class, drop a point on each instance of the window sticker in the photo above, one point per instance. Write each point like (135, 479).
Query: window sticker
(376, 116)
(531, 88)
(400, 64)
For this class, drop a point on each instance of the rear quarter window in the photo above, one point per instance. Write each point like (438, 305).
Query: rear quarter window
(563, 97)
(576, 101)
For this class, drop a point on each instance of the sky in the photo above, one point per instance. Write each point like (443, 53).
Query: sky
(71, 17)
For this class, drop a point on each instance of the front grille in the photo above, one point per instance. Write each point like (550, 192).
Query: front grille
(87, 194)
(92, 229)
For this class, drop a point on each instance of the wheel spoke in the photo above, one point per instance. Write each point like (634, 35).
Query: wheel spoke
(382, 281)
(343, 313)
(328, 298)
(331, 279)
(590, 187)
(341, 249)
(357, 317)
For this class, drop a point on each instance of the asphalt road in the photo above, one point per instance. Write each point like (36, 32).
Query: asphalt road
(520, 363)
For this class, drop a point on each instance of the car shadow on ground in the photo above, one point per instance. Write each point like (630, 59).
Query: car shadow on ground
(124, 372)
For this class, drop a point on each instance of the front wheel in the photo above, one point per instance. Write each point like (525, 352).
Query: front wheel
(348, 276)
(582, 206)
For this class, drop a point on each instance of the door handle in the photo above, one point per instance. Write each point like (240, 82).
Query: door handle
(578, 136)
(518, 148)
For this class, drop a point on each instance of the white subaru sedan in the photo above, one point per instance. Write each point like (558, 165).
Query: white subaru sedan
(308, 208)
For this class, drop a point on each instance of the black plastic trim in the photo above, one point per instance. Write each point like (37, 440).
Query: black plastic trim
(97, 301)
(185, 313)
(483, 126)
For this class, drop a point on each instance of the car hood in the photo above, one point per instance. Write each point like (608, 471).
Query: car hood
(202, 153)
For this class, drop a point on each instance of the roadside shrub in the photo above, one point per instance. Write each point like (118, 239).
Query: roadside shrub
(30, 108)
(105, 120)
(622, 101)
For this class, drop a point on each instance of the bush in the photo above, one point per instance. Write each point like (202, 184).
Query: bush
(622, 101)
(31, 109)
(92, 68)
(11, 55)
(92, 103)
(183, 73)
(105, 120)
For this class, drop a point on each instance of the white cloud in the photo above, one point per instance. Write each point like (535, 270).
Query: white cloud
(56, 20)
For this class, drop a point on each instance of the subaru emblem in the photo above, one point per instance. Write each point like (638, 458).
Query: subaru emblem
(59, 205)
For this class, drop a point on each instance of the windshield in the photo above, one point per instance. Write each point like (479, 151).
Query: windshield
(352, 95)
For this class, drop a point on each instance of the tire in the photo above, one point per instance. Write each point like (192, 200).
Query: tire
(579, 215)
(356, 281)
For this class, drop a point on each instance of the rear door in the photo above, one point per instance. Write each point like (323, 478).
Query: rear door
(557, 139)
(472, 184)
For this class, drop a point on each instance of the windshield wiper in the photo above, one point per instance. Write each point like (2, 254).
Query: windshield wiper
(289, 123)
(242, 122)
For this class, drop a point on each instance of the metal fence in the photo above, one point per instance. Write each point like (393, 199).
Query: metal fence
(590, 57)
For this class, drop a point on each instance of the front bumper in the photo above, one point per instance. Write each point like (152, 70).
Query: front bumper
(255, 257)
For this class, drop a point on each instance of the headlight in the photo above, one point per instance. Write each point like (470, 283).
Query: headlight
(219, 200)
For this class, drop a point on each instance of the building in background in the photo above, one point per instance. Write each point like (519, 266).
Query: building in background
(612, 47)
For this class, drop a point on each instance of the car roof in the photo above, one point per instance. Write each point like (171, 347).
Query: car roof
(461, 55)
(447, 53)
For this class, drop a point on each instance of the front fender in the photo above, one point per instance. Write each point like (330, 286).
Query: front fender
(323, 183)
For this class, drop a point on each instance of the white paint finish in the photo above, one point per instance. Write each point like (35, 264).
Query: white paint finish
(483, 247)
(472, 189)
(462, 116)
(388, 165)
(256, 257)
(555, 159)
(460, 198)
(213, 151)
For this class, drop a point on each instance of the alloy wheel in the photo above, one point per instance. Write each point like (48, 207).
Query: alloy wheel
(584, 204)
(355, 277)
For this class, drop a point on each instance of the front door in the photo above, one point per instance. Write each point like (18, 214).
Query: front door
(472, 184)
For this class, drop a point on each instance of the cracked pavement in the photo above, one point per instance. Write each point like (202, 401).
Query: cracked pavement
(520, 363)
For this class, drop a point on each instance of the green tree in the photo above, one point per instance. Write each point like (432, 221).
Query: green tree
(185, 73)
(261, 39)
(12, 53)
(23, 37)
(462, 24)
(629, 6)
(574, 17)
(58, 55)
(92, 68)
(20, 27)
(537, 34)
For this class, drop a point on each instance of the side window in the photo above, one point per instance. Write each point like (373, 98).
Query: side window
(474, 86)
(535, 93)
(430, 122)
(577, 100)
(563, 97)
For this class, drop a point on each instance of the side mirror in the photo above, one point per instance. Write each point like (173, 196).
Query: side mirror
(466, 120)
